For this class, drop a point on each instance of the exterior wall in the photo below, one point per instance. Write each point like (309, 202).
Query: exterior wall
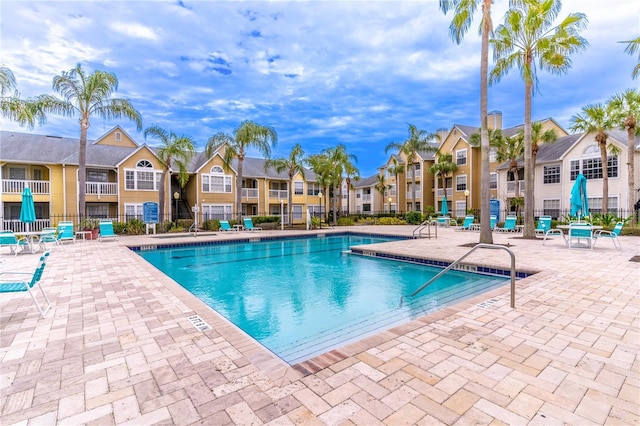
(138, 196)
(117, 137)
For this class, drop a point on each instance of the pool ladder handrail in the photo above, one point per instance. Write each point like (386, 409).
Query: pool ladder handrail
(193, 228)
(452, 265)
(425, 224)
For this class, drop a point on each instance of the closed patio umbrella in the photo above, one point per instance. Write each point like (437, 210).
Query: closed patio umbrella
(27, 209)
(579, 201)
(444, 209)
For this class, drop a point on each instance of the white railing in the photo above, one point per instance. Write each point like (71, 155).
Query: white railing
(281, 195)
(441, 192)
(15, 186)
(366, 197)
(16, 225)
(101, 188)
(418, 194)
(249, 193)
(511, 186)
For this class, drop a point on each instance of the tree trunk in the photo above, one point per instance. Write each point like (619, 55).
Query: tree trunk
(529, 228)
(239, 191)
(486, 235)
(290, 202)
(82, 168)
(630, 124)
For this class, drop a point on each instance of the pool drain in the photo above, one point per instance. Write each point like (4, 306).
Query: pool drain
(199, 323)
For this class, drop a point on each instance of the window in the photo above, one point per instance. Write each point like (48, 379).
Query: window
(493, 156)
(298, 187)
(98, 210)
(17, 173)
(416, 166)
(461, 157)
(595, 205)
(132, 211)
(493, 181)
(592, 168)
(96, 176)
(366, 208)
(460, 208)
(313, 189)
(551, 208)
(551, 174)
(143, 178)
(461, 183)
(575, 169)
(37, 174)
(118, 136)
(217, 211)
(217, 181)
(297, 211)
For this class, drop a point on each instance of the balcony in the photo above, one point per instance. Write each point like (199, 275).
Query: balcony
(15, 186)
(441, 192)
(249, 193)
(366, 198)
(101, 188)
(511, 186)
(278, 194)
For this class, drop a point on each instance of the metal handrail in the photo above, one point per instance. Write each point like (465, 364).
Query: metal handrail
(420, 228)
(481, 245)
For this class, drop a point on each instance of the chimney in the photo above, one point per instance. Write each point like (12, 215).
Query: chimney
(494, 120)
(442, 134)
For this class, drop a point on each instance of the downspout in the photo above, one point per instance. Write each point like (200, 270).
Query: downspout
(64, 191)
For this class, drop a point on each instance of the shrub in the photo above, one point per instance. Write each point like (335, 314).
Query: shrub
(391, 221)
(265, 219)
(119, 227)
(414, 218)
(345, 221)
(136, 227)
(211, 225)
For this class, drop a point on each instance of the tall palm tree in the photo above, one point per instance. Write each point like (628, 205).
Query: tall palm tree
(396, 169)
(511, 150)
(294, 164)
(27, 112)
(337, 161)
(528, 34)
(417, 141)
(381, 186)
(539, 137)
(350, 172)
(319, 163)
(633, 46)
(462, 18)
(175, 151)
(86, 95)
(625, 108)
(443, 166)
(247, 135)
(597, 119)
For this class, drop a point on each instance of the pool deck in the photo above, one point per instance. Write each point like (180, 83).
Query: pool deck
(117, 346)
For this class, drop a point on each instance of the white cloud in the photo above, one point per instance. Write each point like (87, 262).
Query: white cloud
(134, 30)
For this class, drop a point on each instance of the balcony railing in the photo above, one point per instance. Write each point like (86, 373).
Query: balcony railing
(249, 193)
(366, 198)
(16, 225)
(101, 188)
(418, 194)
(280, 195)
(15, 186)
(441, 192)
(511, 186)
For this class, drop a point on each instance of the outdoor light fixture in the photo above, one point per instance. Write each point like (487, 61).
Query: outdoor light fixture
(466, 201)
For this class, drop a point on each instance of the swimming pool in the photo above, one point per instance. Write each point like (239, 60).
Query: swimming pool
(306, 296)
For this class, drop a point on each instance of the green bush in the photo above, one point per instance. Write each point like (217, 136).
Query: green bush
(345, 221)
(391, 221)
(414, 218)
(211, 225)
(265, 219)
(119, 227)
(136, 227)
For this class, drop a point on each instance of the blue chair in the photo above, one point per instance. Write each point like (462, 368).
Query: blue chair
(66, 232)
(579, 232)
(610, 235)
(9, 239)
(224, 226)
(48, 235)
(248, 225)
(493, 219)
(443, 221)
(106, 230)
(544, 224)
(467, 223)
(11, 282)
(509, 224)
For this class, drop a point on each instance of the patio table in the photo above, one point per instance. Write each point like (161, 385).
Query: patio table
(29, 236)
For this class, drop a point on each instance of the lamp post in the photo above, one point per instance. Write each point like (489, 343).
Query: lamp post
(320, 207)
(466, 201)
(389, 205)
(176, 196)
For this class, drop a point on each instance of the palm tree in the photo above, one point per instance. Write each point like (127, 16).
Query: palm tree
(27, 112)
(247, 135)
(86, 95)
(381, 186)
(596, 118)
(319, 163)
(633, 46)
(338, 160)
(443, 166)
(350, 172)
(526, 35)
(539, 137)
(173, 151)
(293, 165)
(462, 18)
(511, 150)
(417, 141)
(625, 108)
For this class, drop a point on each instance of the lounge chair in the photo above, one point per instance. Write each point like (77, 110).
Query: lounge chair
(65, 232)
(224, 226)
(248, 225)
(467, 224)
(493, 219)
(48, 235)
(579, 232)
(11, 282)
(443, 221)
(610, 235)
(106, 230)
(9, 239)
(509, 224)
(544, 224)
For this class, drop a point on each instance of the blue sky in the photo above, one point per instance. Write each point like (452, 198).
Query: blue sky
(320, 73)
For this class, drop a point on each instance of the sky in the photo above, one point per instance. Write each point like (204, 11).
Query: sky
(321, 73)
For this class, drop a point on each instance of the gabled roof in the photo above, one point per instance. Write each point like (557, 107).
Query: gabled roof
(102, 155)
(550, 152)
(32, 148)
(621, 136)
(365, 183)
(118, 128)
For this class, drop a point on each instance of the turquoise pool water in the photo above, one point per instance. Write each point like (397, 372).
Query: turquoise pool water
(303, 297)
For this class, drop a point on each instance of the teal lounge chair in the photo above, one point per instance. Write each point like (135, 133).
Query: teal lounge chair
(9, 239)
(579, 232)
(248, 225)
(106, 230)
(11, 282)
(224, 226)
(544, 224)
(65, 232)
(492, 221)
(444, 221)
(509, 224)
(48, 235)
(601, 234)
(467, 223)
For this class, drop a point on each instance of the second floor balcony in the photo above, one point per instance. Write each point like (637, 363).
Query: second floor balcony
(250, 193)
(101, 188)
(511, 186)
(16, 186)
(441, 192)
(366, 198)
(279, 194)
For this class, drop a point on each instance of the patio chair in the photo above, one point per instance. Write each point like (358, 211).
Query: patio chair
(224, 226)
(493, 219)
(579, 232)
(467, 223)
(544, 224)
(106, 230)
(65, 232)
(610, 235)
(48, 235)
(509, 224)
(11, 282)
(443, 221)
(9, 239)
(248, 225)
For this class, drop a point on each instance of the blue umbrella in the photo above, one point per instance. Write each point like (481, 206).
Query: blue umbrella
(444, 209)
(27, 210)
(579, 201)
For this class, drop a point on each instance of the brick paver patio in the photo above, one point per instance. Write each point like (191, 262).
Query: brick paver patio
(118, 348)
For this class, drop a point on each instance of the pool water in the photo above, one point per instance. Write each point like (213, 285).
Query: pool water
(303, 297)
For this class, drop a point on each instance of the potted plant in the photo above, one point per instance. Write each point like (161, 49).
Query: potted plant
(91, 225)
